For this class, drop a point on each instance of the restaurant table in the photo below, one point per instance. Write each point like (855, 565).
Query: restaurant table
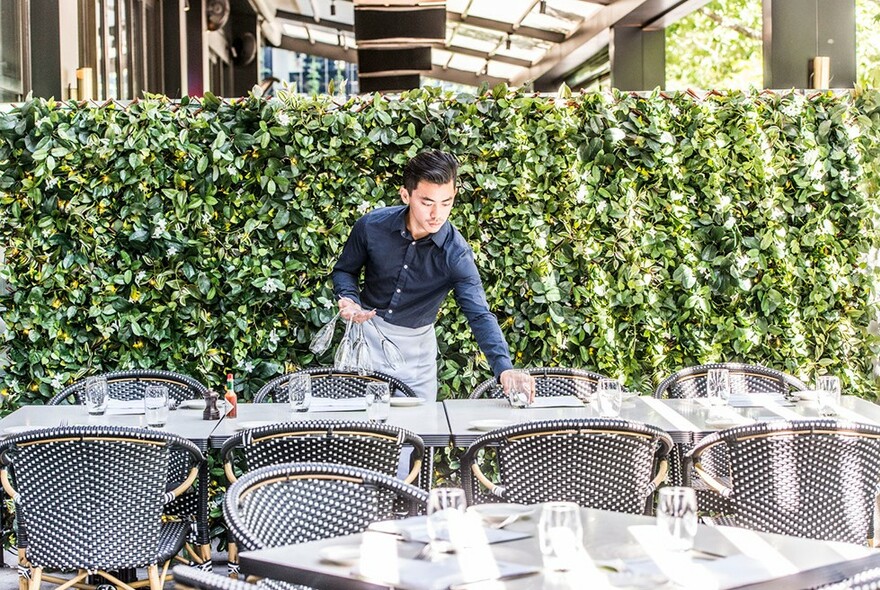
(620, 550)
(428, 420)
(186, 423)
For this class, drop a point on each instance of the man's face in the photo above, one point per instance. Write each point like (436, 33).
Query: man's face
(429, 207)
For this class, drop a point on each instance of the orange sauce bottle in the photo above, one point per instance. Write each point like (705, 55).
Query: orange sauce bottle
(231, 398)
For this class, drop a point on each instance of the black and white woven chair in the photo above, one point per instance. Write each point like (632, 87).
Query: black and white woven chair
(596, 462)
(691, 382)
(190, 578)
(92, 498)
(301, 502)
(549, 381)
(376, 447)
(328, 382)
(806, 478)
(129, 386)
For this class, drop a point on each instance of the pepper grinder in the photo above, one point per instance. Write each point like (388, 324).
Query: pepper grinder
(211, 410)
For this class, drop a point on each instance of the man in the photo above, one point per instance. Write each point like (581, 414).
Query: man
(411, 257)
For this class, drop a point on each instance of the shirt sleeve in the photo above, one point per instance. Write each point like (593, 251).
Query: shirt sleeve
(347, 271)
(471, 298)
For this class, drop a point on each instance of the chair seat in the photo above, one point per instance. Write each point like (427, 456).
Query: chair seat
(172, 537)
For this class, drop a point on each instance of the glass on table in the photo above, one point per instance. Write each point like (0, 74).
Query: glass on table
(520, 389)
(299, 391)
(378, 398)
(677, 516)
(446, 518)
(828, 394)
(718, 386)
(95, 395)
(610, 397)
(156, 405)
(560, 535)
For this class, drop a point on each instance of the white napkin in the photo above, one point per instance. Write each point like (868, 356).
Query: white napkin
(748, 400)
(416, 530)
(557, 401)
(324, 404)
(415, 574)
(118, 407)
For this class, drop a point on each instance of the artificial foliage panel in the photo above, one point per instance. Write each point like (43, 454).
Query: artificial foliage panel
(632, 235)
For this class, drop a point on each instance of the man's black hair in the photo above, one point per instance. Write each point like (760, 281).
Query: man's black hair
(431, 166)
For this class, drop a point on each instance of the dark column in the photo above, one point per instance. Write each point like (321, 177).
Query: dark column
(45, 48)
(796, 31)
(638, 58)
(245, 33)
(173, 48)
(196, 53)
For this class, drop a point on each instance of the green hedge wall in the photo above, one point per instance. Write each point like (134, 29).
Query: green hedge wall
(632, 235)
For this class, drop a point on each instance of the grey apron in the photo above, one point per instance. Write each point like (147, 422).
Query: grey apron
(419, 349)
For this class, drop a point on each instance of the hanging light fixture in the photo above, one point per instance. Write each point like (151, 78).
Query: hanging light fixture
(507, 42)
(543, 7)
(332, 7)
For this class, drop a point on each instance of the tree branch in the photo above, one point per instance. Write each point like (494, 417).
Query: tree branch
(729, 24)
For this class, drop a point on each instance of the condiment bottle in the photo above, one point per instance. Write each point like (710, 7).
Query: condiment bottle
(231, 399)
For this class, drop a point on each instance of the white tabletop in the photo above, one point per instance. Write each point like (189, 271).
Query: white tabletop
(428, 420)
(747, 558)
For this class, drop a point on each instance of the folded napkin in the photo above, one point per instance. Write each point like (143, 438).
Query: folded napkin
(557, 401)
(323, 404)
(416, 530)
(413, 574)
(118, 407)
(748, 400)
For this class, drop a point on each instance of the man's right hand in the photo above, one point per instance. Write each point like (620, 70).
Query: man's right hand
(349, 310)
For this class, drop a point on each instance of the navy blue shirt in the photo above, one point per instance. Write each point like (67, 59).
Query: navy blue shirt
(406, 280)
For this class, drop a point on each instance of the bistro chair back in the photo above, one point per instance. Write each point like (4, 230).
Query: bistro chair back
(301, 502)
(549, 381)
(130, 385)
(597, 463)
(360, 444)
(691, 382)
(191, 578)
(331, 383)
(92, 498)
(807, 478)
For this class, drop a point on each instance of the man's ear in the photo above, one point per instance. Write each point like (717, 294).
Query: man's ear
(404, 196)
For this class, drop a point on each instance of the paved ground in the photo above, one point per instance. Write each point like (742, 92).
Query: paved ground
(9, 575)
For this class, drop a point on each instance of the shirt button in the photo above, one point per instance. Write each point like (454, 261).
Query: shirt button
(390, 311)
(405, 266)
(413, 244)
(398, 290)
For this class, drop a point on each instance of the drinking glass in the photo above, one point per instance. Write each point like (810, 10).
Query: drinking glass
(610, 398)
(156, 405)
(718, 386)
(677, 516)
(378, 398)
(299, 392)
(446, 518)
(519, 391)
(828, 394)
(323, 337)
(560, 534)
(342, 359)
(95, 395)
(393, 357)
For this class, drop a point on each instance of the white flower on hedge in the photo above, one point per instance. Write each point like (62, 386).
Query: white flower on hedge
(364, 207)
(282, 118)
(874, 328)
(723, 201)
(272, 285)
(601, 206)
(161, 226)
(206, 217)
(674, 110)
(499, 146)
(246, 366)
(52, 182)
(231, 170)
(581, 195)
(811, 156)
(56, 382)
(274, 338)
(490, 184)
(172, 250)
(139, 277)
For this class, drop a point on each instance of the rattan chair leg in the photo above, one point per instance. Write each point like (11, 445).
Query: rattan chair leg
(193, 551)
(232, 562)
(74, 582)
(120, 584)
(155, 581)
(36, 578)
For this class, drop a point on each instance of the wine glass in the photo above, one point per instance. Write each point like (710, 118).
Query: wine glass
(446, 518)
(299, 391)
(610, 398)
(342, 359)
(323, 337)
(378, 398)
(393, 356)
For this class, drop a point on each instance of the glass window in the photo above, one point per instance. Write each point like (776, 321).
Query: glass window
(13, 50)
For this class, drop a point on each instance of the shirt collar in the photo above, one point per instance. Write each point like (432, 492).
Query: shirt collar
(439, 237)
